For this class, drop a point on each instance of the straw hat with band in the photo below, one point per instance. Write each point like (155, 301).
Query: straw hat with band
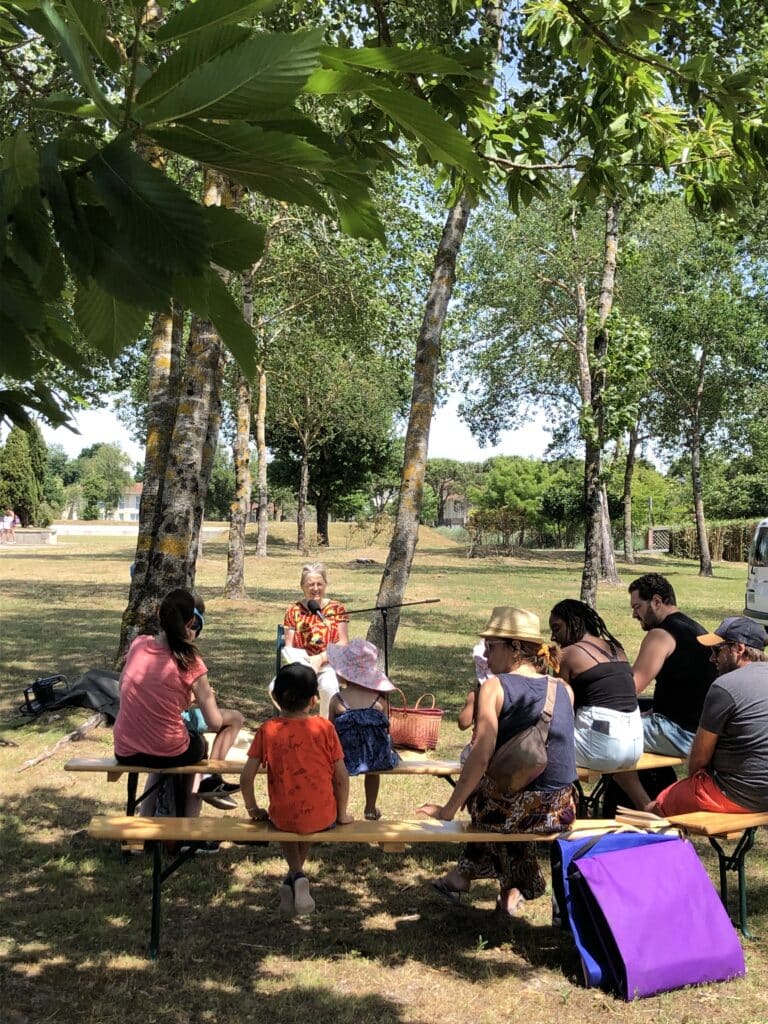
(358, 663)
(509, 623)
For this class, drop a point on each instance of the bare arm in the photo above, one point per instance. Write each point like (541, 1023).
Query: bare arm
(656, 647)
(333, 708)
(489, 705)
(207, 703)
(467, 713)
(341, 790)
(702, 750)
(343, 633)
(288, 637)
(246, 788)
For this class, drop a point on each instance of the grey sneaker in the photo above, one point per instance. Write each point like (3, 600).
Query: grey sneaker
(286, 900)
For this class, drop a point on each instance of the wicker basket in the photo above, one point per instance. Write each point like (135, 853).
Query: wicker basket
(415, 728)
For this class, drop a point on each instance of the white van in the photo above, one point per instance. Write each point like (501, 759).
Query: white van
(756, 601)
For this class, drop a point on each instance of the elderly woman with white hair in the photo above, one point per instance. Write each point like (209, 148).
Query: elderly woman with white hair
(311, 624)
(510, 700)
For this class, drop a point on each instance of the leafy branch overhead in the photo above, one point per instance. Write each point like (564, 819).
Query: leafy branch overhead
(79, 203)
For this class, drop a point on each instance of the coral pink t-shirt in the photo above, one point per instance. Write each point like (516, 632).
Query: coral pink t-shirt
(300, 754)
(153, 693)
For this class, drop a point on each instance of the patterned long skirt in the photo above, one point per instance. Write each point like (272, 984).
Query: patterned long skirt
(515, 865)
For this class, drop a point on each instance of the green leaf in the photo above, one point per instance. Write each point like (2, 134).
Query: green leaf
(358, 217)
(67, 38)
(236, 243)
(17, 358)
(19, 302)
(266, 71)
(106, 324)
(442, 141)
(19, 162)
(202, 47)
(32, 237)
(334, 82)
(269, 162)
(89, 16)
(121, 270)
(157, 216)
(228, 321)
(56, 339)
(208, 13)
(392, 58)
(72, 106)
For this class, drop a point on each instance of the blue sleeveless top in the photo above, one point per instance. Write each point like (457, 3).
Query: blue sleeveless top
(365, 740)
(524, 698)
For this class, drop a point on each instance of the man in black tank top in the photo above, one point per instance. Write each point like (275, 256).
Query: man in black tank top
(671, 655)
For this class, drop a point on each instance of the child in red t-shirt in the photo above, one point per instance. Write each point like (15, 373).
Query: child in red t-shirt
(307, 782)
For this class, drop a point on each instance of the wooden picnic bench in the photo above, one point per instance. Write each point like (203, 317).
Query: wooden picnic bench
(716, 827)
(589, 803)
(410, 764)
(391, 836)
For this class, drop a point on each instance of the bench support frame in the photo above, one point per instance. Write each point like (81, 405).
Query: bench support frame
(734, 861)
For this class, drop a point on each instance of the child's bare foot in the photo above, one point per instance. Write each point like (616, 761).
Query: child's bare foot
(344, 819)
(372, 814)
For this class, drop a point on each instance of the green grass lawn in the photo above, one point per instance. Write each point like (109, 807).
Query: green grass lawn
(74, 921)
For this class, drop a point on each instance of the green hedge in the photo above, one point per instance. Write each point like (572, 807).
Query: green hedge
(729, 540)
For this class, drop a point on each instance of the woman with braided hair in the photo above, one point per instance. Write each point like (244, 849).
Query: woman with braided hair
(608, 728)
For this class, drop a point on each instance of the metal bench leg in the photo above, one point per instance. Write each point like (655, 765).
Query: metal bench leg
(734, 861)
(158, 877)
(130, 805)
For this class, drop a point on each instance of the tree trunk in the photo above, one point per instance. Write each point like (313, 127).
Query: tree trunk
(406, 530)
(405, 535)
(301, 510)
(705, 557)
(608, 570)
(261, 449)
(322, 504)
(164, 366)
(234, 586)
(629, 469)
(595, 429)
(176, 479)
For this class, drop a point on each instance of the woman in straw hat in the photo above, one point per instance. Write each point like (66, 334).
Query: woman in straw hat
(511, 700)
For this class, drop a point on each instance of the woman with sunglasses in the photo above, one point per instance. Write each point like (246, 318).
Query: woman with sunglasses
(163, 677)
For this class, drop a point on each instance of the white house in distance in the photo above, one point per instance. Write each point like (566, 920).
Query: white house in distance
(127, 510)
(455, 510)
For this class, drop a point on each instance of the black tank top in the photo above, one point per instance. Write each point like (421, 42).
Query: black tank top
(685, 677)
(606, 684)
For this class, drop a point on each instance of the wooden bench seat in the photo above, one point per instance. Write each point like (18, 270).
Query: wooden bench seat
(392, 836)
(715, 827)
(410, 764)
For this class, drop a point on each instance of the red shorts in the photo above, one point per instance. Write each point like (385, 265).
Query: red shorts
(699, 792)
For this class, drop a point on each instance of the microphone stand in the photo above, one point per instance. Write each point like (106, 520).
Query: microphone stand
(384, 609)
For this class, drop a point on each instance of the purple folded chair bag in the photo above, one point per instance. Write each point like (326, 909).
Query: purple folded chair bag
(658, 923)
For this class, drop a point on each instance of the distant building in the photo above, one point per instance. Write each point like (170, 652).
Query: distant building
(127, 510)
(455, 510)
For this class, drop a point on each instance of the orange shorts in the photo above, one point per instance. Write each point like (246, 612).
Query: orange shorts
(698, 792)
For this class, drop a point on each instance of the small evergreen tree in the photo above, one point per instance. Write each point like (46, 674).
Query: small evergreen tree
(18, 486)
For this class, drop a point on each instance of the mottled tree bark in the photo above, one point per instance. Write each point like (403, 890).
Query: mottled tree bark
(608, 571)
(406, 530)
(164, 367)
(629, 470)
(261, 451)
(705, 557)
(301, 510)
(593, 524)
(234, 586)
(181, 455)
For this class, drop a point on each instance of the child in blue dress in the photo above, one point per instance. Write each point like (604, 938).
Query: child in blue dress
(361, 722)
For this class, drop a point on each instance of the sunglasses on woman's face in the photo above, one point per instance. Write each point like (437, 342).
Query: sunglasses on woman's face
(199, 622)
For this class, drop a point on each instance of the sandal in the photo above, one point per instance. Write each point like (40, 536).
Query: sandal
(374, 815)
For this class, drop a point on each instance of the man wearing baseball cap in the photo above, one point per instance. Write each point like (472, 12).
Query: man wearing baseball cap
(728, 763)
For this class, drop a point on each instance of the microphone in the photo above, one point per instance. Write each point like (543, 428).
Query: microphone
(314, 607)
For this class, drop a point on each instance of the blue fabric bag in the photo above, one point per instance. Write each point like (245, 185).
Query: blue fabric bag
(572, 916)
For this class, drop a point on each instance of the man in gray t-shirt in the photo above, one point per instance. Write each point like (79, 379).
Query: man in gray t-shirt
(728, 763)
